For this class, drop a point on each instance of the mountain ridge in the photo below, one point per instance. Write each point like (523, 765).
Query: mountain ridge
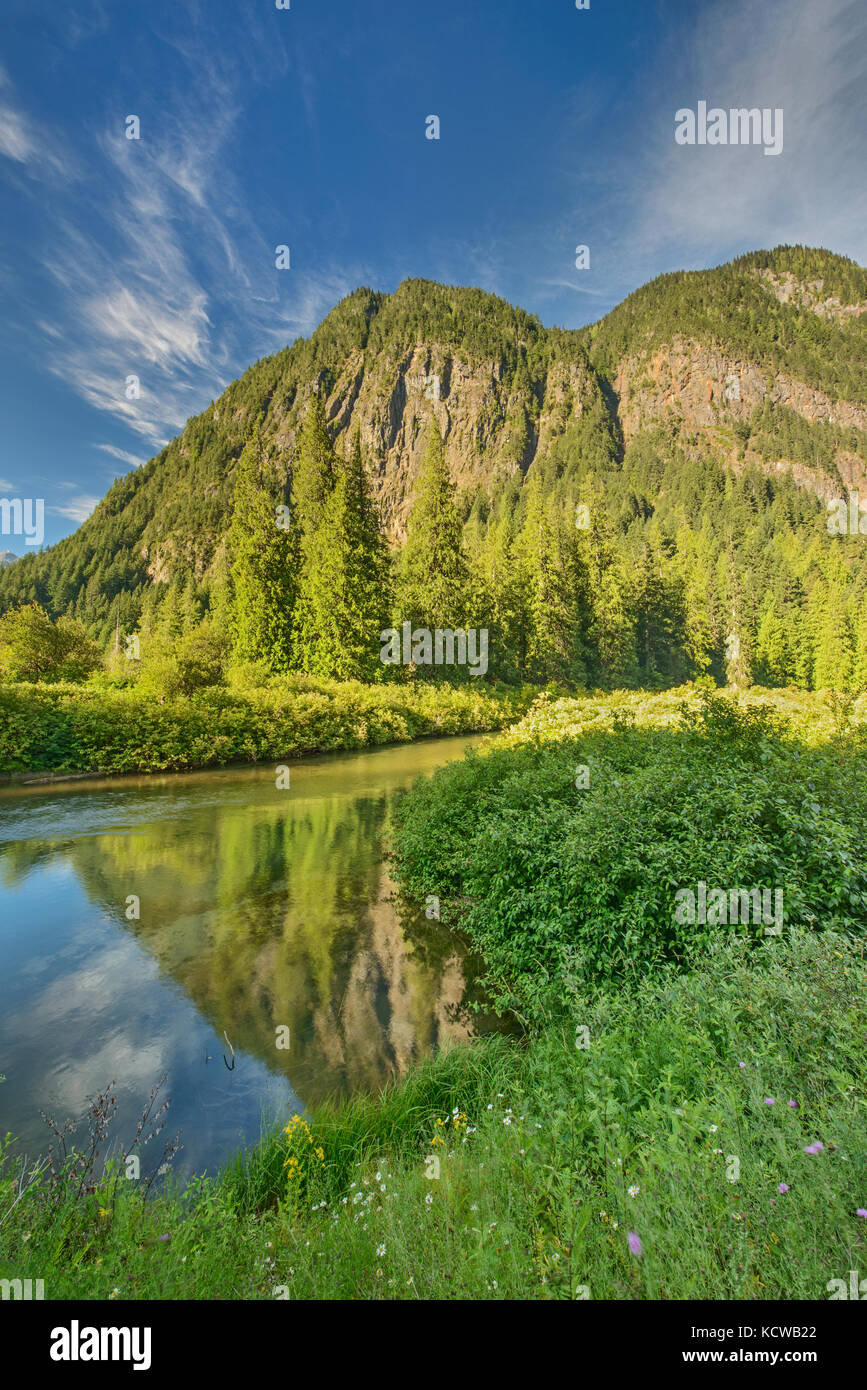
(734, 364)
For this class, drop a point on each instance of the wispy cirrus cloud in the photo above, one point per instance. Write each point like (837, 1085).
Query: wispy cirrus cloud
(808, 60)
(24, 141)
(164, 274)
(76, 509)
(134, 460)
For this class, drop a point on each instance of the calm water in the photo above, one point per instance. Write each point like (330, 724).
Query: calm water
(258, 909)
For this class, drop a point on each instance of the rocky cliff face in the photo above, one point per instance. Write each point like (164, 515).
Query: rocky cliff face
(492, 430)
(704, 392)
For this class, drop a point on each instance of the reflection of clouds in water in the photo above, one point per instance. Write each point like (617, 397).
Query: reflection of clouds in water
(258, 913)
(135, 1066)
(95, 988)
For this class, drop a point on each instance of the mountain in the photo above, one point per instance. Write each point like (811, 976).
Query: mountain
(755, 368)
(7, 557)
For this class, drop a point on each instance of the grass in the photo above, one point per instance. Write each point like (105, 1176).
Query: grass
(681, 1120)
(538, 1146)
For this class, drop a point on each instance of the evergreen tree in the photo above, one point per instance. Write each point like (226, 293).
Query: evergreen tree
(264, 563)
(773, 658)
(552, 593)
(835, 653)
(433, 588)
(343, 598)
(612, 626)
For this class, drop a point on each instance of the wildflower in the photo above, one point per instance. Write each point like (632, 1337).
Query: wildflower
(782, 1187)
(861, 1211)
(793, 1104)
(634, 1243)
(114, 1293)
(713, 1129)
(428, 1199)
(769, 1100)
(741, 1064)
(814, 1148)
(380, 1250)
(633, 1191)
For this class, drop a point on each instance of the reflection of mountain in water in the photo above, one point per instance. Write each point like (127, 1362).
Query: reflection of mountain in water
(270, 909)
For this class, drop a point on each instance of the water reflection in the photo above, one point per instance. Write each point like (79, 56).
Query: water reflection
(142, 920)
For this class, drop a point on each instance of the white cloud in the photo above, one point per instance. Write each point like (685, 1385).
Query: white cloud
(77, 509)
(16, 141)
(174, 283)
(132, 459)
(808, 60)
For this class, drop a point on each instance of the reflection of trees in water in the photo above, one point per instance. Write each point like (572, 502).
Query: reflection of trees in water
(275, 913)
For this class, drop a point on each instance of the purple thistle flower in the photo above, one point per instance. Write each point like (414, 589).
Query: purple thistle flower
(769, 1100)
(634, 1243)
(814, 1148)
(861, 1211)
(794, 1104)
(782, 1187)
(741, 1064)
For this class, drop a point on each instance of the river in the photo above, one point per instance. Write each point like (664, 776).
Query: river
(240, 938)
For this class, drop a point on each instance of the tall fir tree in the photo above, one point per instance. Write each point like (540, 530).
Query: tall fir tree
(773, 658)
(344, 601)
(552, 592)
(612, 625)
(264, 556)
(433, 587)
(313, 480)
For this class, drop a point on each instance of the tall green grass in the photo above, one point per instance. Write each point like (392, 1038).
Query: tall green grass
(551, 1154)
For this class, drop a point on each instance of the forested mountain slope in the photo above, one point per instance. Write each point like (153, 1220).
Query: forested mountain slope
(703, 422)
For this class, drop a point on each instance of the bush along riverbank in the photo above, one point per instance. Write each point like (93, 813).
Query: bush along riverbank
(684, 1115)
(66, 728)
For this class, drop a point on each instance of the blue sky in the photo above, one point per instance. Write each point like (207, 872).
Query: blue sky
(306, 127)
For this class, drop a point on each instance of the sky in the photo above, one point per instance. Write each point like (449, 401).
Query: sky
(155, 258)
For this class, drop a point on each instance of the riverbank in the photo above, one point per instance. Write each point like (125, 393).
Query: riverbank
(708, 1144)
(684, 1114)
(68, 729)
